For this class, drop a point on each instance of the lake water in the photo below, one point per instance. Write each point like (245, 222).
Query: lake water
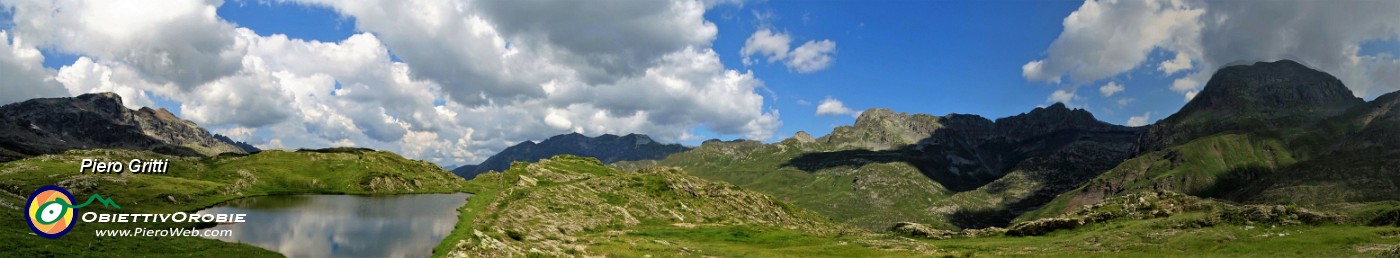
(344, 225)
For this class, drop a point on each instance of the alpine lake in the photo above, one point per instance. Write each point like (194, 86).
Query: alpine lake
(343, 225)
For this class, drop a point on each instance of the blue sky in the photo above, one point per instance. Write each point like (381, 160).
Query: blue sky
(453, 82)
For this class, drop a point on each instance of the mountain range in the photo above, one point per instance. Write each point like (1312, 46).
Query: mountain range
(891, 167)
(1265, 133)
(608, 148)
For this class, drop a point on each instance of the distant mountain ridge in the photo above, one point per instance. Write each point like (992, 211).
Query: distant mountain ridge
(1265, 133)
(249, 148)
(99, 120)
(607, 148)
(893, 167)
(965, 151)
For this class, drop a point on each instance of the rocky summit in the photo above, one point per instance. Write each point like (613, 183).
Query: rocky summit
(1261, 96)
(99, 120)
(607, 148)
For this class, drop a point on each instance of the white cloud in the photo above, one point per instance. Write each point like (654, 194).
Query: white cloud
(87, 76)
(22, 75)
(811, 56)
(834, 107)
(179, 42)
(1035, 70)
(1105, 38)
(1180, 63)
(1108, 38)
(1139, 120)
(765, 43)
(1123, 102)
(500, 78)
(1062, 96)
(1185, 84)
(1107, 90)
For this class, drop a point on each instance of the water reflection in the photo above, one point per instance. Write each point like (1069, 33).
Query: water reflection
(344, 225)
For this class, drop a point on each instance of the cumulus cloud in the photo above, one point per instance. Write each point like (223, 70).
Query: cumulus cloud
(765, 43)
(1180, 63)
(87, 76)
(181, 42)
(834, 107)
(811, 56)
(22, 75)
(1139, 120)
(474, 77)
(1107, 90)
(1062, 96)
(1107, 38)
(637, 33)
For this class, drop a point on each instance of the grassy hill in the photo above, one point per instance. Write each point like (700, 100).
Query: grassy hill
(192, 184)
(873, 194)
(574, 206)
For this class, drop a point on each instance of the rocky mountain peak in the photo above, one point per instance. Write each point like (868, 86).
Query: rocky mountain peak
(99, 120)
(1283, 84)
(101, 97)
(877, 115)
(1262, 96)
(1042, 120)
(570, 136)
(803, 137)
(161, 114)
(637, 139)
(882, 128)
(607, 147)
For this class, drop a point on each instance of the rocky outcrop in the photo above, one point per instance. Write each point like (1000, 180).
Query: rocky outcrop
(803, 137)
(99, 120)
(607, 148)
(924, 231)
(882, 129)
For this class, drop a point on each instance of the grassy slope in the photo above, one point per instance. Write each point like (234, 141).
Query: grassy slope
(887, 193)
(1212, 228)
(575, 206)
(1160, 237)
(1198, 167)
(195, 183)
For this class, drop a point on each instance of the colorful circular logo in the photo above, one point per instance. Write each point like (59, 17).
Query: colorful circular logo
(50, 211)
